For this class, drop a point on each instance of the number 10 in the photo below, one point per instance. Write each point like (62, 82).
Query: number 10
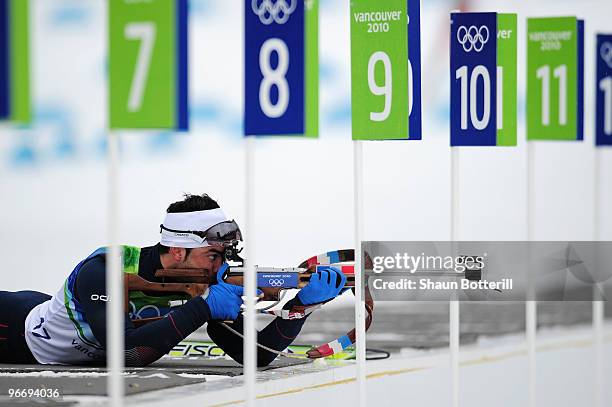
(480, 71)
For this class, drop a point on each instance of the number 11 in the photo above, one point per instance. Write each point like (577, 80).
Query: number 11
(560, 73)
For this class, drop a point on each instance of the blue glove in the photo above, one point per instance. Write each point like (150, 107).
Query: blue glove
(324, 285)
(223, 299)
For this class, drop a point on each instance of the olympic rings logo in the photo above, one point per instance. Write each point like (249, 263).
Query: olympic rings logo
(270, 11)
(606, 53)
(276, 282)
(473, 38)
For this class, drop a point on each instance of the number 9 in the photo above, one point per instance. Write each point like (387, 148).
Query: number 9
(386, 89)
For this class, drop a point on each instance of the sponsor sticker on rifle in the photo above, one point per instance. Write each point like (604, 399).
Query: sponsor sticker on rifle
(280, 280)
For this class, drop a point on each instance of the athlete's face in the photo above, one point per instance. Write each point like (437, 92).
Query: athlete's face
(207, 258)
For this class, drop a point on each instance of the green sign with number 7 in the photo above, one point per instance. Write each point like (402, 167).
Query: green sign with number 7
(379, 69)
(148, 64)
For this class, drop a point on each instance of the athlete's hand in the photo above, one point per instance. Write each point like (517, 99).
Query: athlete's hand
(324, 285)
(223, 299)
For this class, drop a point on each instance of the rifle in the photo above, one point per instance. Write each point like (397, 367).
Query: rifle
(272, 281)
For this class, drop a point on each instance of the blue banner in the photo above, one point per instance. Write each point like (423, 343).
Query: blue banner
(473, 69)
(603, 90)
(580, 84)
(5, 60)
(274, 67)
(182, 38)
(414, 56)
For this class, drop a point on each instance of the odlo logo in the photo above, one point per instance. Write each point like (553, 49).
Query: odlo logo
(96, 297)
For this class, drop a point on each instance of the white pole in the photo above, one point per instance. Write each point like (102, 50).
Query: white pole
(598, 304)
(598, 328)
(454, 350)
(250, 336)
(454, 327)
(455, 207)
(360, 331)
(114, 281)
(530, 304)
(530, 330)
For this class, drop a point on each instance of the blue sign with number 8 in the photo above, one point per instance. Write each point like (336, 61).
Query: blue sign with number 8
(274, 67)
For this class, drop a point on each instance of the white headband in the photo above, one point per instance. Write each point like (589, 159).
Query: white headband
(189, 221)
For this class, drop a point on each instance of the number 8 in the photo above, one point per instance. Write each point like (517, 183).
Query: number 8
(274, 77)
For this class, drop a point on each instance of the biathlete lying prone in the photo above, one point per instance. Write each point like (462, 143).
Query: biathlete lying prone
(69, 328)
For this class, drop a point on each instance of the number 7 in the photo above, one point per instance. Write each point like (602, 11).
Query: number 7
(145, 32)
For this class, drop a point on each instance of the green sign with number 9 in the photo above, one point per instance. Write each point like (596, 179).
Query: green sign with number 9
(379, 69)
(148, 64)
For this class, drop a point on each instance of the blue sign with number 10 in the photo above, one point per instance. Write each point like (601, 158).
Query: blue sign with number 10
(473, 79)
(603, 83)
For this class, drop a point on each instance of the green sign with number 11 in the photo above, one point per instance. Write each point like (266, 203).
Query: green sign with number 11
(148, 64)
(553, 79)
